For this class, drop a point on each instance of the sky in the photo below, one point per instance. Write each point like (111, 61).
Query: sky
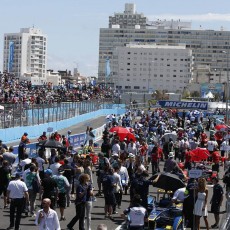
(72, 26)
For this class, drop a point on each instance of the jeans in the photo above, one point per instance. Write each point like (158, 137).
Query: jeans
(88, 209)
(19, 205)
(68, 193)
(80, 215)
(32, 198)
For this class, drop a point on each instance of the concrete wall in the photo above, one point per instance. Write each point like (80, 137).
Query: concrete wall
(13, 134)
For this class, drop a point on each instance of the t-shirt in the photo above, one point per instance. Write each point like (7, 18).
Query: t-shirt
(81, 189)
(40, 162)
(49, 185)
(29, 178)
(62, 183)
(4, 175)
(107, 182)
(179, 194)
(137, 215)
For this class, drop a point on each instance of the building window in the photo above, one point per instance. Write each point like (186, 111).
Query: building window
(136, 87)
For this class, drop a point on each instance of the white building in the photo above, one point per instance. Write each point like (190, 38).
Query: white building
(54, 78)
(25, 54)
(210, 47)
(152, 67)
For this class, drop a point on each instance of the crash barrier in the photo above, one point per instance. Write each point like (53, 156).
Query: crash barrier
(75, 140)
(15, 115)
(13, 134)
(225, 221)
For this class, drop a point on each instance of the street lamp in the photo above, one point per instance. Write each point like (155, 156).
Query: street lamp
(227, 85)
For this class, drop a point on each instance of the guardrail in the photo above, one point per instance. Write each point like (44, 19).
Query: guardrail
(76, 141)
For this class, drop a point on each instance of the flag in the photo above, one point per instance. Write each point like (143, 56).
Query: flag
(107, 67)
(11, 56)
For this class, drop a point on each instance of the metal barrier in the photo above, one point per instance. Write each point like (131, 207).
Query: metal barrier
(15, 115)
(76, 141)
(225, 221)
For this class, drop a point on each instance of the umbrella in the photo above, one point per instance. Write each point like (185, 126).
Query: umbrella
(50, 144)
(168, 182)
(221, 127)
(119, 129)
(123, 133)
(199, 154)
(169, 135)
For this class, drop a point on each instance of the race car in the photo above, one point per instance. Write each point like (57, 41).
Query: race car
(164, 216)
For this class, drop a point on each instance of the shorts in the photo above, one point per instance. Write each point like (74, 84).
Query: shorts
(215, 207)
(109, 198)
(3, 190)
(62, 200)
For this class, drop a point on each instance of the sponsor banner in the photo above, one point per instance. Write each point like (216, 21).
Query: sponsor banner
(75, 140)
(11, 56)
(184, 105)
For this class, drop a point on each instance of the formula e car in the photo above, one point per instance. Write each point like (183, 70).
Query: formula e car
(162, 217)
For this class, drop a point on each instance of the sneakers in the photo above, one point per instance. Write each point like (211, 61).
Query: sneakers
(214, 226)
(115, 212)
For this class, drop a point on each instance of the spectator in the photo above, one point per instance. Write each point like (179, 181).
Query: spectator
(9, 156)
(42, 217)
(17, 192)
(216, 201)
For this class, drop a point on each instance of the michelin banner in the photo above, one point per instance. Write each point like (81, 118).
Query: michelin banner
(194, 105)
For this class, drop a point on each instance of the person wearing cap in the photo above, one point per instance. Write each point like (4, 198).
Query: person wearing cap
(171, 165)
(17, 192)
(43, 137)
(49, 188)
(114, 159)
(63, 185)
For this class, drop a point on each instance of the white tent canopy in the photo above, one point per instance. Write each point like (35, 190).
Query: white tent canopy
(209, 95)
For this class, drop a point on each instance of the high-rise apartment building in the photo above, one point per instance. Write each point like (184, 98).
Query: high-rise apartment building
(209, 47)
(25, 54)
(151, 67)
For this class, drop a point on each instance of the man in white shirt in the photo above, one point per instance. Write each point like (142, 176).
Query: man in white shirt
(25, 162)
(16, 191)
(179, 195)
(55, 166)
(47, 218)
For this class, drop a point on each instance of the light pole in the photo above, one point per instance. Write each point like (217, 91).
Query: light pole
(227, 86)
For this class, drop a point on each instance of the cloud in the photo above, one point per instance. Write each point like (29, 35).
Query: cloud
(193, 17)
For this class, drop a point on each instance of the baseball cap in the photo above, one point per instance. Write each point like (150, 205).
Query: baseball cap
(131, 155)
(61, 170)
(48, 171)
(114, 155)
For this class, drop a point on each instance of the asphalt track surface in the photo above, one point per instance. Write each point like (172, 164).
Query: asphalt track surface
(27, 223)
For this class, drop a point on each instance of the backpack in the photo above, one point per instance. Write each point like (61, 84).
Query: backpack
(35, 185)
(226, 179)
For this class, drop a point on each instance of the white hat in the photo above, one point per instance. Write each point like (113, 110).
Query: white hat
(131, 155)
(171, 154)
(115, 155)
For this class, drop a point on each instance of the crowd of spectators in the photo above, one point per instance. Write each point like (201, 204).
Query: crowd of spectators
(14, 91)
